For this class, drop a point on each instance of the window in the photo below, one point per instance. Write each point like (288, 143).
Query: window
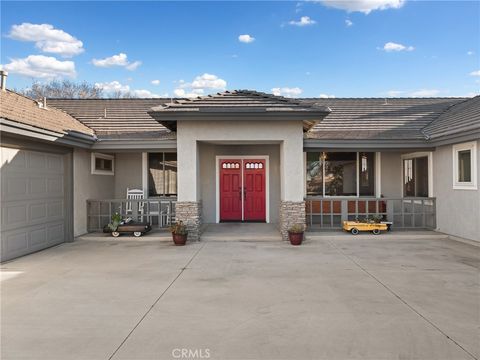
(162, 174)
(102, 164)
(464, 166)
(415, 176)
(340, 173)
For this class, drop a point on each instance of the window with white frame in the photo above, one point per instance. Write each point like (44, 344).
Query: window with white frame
(102, 164)
(465, 166)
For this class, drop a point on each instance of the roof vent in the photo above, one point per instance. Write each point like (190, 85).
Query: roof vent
(386, 102)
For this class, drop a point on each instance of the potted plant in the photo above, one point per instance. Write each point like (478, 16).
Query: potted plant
(113, 225)
(179, 233)
(295, 234)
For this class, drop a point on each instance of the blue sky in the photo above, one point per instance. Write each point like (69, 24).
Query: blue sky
(367, 48)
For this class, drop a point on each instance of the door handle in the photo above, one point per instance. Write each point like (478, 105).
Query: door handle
(244, 194)
(240, 192)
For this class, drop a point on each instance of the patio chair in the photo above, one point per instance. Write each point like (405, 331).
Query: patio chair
(135, 194)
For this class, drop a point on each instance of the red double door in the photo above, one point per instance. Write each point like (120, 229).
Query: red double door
(242, 190)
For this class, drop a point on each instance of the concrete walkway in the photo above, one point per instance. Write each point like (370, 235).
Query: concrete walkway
(327, 299)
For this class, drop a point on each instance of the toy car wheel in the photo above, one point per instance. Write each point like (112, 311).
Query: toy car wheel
(376, 231)
(115, 234)
(137, 233)
(354, 231)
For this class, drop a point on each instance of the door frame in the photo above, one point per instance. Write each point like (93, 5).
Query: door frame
(267, 182)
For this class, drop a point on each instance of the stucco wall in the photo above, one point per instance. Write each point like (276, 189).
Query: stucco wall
(128, 173)
(458, 211)
(207, 158)
(87, 186)
(391, 174)
(288, 133)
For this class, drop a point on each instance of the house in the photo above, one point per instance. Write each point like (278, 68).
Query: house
(236, 156)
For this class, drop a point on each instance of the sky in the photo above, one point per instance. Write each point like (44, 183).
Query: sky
(334, 48)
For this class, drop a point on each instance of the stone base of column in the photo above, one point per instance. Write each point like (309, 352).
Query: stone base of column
(291, 213)
(190, 213)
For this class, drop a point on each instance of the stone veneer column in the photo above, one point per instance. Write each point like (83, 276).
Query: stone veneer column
(190, 212)
(291, 213)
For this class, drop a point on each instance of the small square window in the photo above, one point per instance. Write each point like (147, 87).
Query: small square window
(464, 166)
(102, 164)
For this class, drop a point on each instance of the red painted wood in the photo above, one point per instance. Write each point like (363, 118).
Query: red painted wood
(230, 190)
(255, 192)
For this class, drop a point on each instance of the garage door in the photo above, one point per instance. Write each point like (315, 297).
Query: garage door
(33, 201)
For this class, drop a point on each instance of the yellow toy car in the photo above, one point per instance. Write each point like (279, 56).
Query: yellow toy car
(355, 227)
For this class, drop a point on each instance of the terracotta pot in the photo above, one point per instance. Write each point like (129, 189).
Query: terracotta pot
(179, 240)
(295, 238)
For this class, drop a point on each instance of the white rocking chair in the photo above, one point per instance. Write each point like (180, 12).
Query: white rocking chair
(135, 194)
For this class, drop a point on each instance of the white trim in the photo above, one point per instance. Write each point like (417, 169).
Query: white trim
(145, 173)
(357, 175)
(471, 185)
(94, 171)
(378, 174)
(267, 183)
(304, 174)
(414, 155)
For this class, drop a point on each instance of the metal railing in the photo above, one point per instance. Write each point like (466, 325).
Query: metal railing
(159, 212)
(404, 213)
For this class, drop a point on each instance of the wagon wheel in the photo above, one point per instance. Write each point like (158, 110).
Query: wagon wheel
(137, 233)
(115, 234)
(376, 231)
(354, 231)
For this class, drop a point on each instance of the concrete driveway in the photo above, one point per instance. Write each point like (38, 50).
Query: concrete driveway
(328, 299)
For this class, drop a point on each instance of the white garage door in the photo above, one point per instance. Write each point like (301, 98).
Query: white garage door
(33, 201)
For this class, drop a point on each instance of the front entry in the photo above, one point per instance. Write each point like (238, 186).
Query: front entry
(242, 190)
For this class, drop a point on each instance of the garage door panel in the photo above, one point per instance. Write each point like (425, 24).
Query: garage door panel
(55, 186)
(15, 243)
(38, 237)
(14, 215)
(14, 187)
(33, 201)
(55, 164)
(36, 160)
(55, 233)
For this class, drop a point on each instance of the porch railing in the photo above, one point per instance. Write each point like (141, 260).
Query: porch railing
(159, 212)
(405, 213)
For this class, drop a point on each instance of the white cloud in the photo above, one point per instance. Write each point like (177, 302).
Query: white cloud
(184, 94)
(364, 6)
(116, 87)
(246, 38)
(391, 46)
(116, 60)
(425, 93)
(155, 82)
(475, 73)
(394, 93)
(113, 86)
(348, 23)
(198, 86)
(326, 96)
(286, 91)
(142, 93)
(207, 81)
(304, 21)
(47, 39)
(42, 67)
(133, 66)
(470, 52)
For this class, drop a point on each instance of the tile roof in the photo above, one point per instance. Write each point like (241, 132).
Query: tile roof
(116, 118)
(21, 109)
(378, 118)
(239, 103)
(460, 118)
(236, 101)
